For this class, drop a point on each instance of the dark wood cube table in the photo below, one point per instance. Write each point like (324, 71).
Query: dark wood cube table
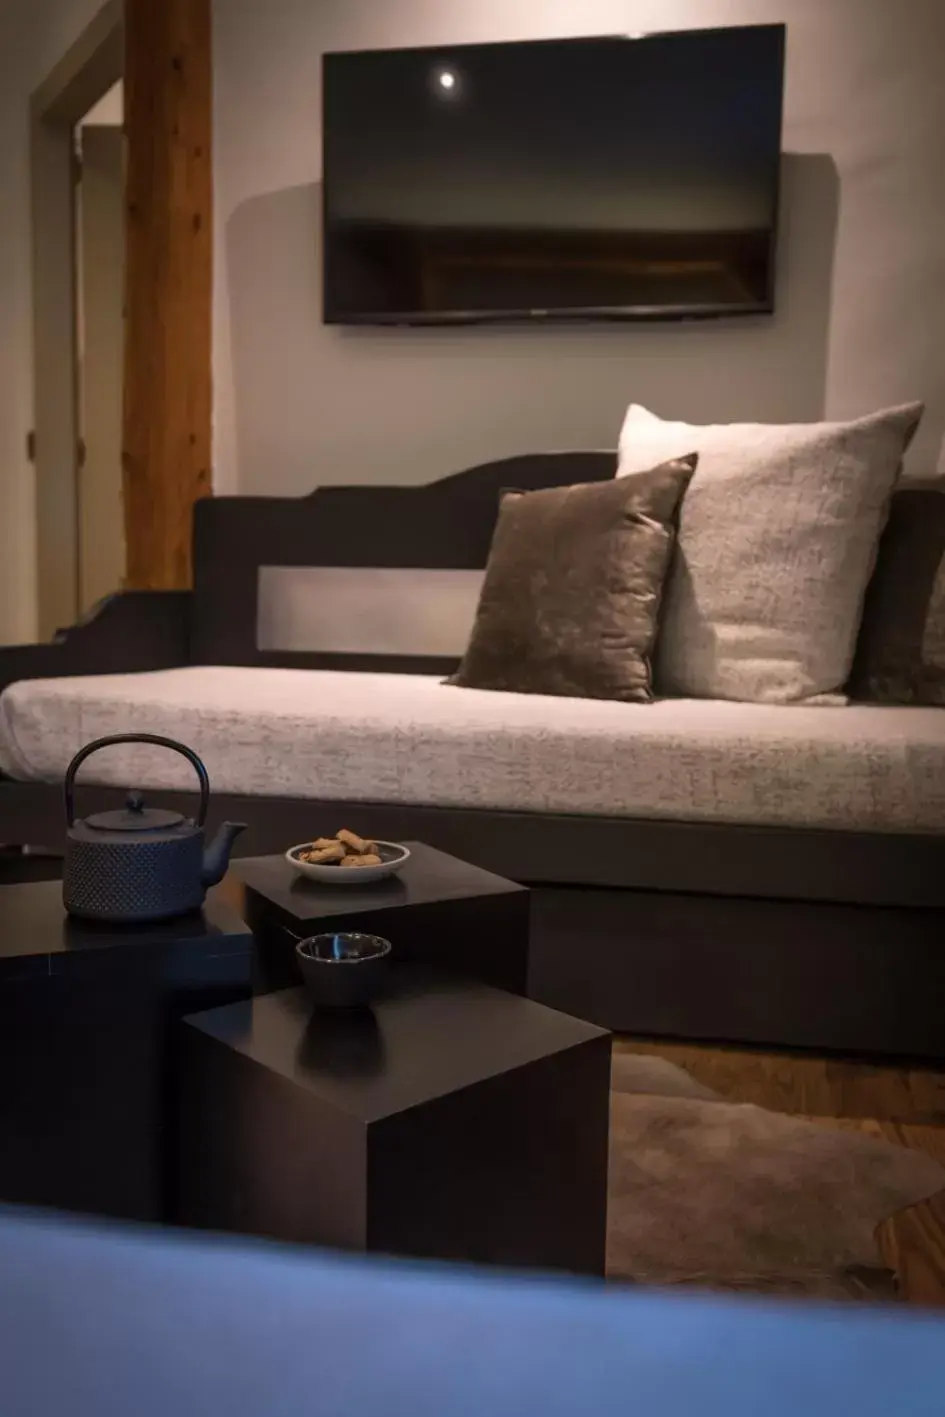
(438, 911)
(87, 1021)
(452, 1120)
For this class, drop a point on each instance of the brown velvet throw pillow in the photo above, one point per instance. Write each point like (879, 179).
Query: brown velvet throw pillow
(570, 601)
(900, 652)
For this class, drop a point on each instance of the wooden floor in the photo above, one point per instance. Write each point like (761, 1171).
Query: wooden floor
(903, 1104)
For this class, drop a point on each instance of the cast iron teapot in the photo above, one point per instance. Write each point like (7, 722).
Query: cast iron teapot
(140, 863)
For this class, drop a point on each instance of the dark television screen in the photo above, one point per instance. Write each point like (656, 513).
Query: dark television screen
(633, 177)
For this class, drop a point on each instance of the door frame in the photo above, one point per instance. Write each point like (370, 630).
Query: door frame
(86, 72)
(100, 251)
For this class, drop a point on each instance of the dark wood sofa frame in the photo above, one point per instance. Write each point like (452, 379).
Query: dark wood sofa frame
(799, 938)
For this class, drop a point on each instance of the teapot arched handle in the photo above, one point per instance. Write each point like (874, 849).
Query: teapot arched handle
(159, 742)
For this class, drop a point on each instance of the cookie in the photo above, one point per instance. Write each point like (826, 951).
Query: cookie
(326, 854)
(356, 843)
(368, 859)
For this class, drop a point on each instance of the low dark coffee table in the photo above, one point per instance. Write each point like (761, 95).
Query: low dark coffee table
(451, 1121)
(439, 911)
(87, 1017)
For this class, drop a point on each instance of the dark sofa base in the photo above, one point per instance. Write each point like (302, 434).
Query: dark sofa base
(850, 979)
(823, 940)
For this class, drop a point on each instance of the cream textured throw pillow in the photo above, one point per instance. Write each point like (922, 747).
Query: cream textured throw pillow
(777, 539)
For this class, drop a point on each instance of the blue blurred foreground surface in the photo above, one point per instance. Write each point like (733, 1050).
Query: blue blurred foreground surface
(113, 1323)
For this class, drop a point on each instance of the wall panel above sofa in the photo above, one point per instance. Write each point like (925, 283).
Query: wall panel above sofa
(861, 296)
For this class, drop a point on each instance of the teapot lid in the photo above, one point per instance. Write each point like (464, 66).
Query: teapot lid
(135, 817)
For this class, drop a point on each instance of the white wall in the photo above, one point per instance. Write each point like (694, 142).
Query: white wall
(862, 300)
(34, 36)
(109, 112)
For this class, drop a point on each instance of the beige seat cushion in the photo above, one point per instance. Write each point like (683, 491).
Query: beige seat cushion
(408, 738)
(777, 539)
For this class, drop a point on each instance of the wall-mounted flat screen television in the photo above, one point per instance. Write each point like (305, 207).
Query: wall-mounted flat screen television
(629, 177)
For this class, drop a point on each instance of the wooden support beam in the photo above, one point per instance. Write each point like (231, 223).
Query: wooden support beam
(168, 353)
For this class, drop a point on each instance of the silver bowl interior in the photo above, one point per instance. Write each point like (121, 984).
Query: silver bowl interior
(344, 947)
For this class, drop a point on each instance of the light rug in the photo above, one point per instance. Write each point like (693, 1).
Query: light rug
(732, 1196)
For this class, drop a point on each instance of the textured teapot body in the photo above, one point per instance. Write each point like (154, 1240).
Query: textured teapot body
(135, 880)
(140, 864)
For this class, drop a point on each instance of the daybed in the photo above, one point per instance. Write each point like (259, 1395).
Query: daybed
(700, 868)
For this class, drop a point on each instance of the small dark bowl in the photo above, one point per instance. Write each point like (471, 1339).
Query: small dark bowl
(343, 971)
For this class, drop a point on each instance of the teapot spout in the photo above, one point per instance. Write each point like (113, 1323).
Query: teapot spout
(216, 858)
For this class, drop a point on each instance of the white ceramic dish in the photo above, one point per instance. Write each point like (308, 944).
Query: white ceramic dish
(393, 858)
